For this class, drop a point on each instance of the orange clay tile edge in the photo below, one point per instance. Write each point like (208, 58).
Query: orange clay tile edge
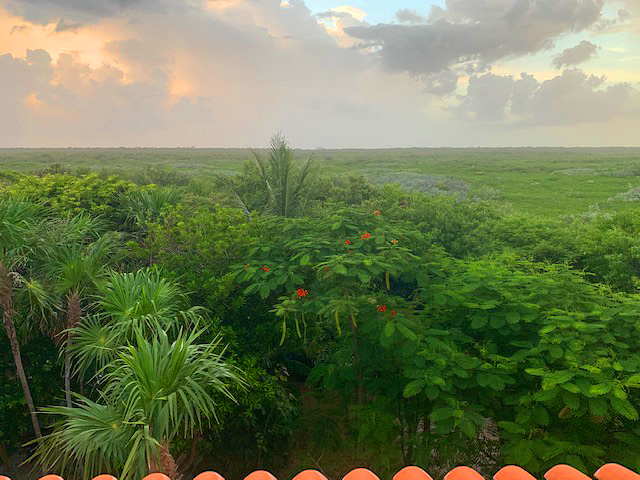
(610, 471)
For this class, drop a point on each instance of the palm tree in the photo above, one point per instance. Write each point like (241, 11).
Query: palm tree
(17, 223)
(74, 269)
(286, 184)
(154, 391)
(129, 303)
(145, 206)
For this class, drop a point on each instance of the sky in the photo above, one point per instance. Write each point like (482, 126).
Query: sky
(325, 73)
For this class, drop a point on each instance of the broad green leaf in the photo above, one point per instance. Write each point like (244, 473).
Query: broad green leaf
(413, 388)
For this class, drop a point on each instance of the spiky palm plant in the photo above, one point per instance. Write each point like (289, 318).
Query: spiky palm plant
(286, 183)
(128, 303)
(74, 270)
(18, 221)
(154, 391)
(145, 206)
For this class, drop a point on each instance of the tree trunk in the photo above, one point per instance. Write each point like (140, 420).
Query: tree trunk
(7, 317)
(167, 462)
(67, 372)
(74, 312)
(356, 359)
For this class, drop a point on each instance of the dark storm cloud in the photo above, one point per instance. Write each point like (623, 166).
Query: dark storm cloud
(573, 56)
(470, 35)
(43, 12)
(570, 98)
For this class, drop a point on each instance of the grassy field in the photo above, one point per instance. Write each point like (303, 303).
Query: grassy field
(545, 181)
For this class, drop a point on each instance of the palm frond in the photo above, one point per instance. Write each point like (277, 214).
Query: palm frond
(145, 206)
(172, 382)
(17, 222)
(286, 184)
(91, 438)
(138, 294)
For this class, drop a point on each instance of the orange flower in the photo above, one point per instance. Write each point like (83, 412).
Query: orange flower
(347, 242)
(365, 235)
(265, 268)
(302, 292)
(393, 313)
(377, 212)
(381, 308)
(394, 241)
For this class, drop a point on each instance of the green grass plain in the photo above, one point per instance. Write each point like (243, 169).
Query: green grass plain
(542, 181)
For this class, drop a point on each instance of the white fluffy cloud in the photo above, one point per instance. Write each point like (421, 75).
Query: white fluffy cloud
(570, 98)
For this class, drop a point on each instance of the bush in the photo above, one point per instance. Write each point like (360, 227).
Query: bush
(64, 193)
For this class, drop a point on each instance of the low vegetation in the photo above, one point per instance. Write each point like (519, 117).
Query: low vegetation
(285, 318)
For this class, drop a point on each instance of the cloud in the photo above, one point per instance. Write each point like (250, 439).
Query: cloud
(612, 24)
(43, 12)
(226, 77)
(19, 28)
(471, 35)
(337, 19)
(356, 13)
(409, 16)
(570, 57)
(232, 72)
(570, 98)
(65, 26)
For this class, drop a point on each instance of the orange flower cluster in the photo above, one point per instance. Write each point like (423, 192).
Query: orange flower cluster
(383, 309)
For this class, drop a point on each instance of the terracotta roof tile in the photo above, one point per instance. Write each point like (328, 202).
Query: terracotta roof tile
(513, 472)
(412, 473)
(209, 476)
(360, 474)
(565, 472)
(613, 471)
(463, 473)
(610, 471)
(309, 475)
(260, 475)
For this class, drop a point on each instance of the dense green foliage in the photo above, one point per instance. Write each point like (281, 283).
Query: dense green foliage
(377, 325)
(541, 181)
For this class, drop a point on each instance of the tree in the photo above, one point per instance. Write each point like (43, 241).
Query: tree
(330, 269)
(17, 222)
(129, 304)
(143, 207)
(154, 391)
(286, 184)
(74, 269)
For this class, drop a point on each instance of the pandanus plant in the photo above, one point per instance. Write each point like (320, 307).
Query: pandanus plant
(74, 270)
(18, 221)
(129, 304)
(154, 391)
